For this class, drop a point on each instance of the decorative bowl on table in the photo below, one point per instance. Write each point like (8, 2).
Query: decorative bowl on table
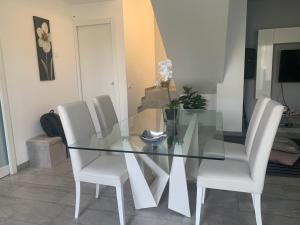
(153, 138)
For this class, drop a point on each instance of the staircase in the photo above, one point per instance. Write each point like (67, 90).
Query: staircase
(156, 98)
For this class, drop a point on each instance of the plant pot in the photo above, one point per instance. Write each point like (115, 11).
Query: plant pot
(191, 111)
(171, 114)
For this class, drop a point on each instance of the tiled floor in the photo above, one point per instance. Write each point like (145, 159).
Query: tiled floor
(46, 196)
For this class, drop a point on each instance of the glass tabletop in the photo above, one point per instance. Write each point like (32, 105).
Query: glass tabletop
(186, 133)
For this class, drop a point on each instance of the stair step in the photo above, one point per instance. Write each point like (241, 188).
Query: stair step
(156, 98)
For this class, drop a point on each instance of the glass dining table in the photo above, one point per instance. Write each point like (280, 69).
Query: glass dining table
(173, 152)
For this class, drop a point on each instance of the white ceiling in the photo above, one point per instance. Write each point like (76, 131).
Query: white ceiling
(83, 1)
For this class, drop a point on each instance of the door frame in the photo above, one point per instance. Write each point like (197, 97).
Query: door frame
(4, 171)
(120, 82)
(7, 121)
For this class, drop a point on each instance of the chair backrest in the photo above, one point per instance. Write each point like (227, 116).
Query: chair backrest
(254, 122)
(77, 124)
(105, 112)
(263, 142)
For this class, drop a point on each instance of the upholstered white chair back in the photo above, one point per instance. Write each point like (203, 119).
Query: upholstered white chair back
(105, 112)
(263, 142)
(77, 124)
(254, 122)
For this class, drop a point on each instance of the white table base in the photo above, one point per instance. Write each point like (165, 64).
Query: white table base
(147, 196)
(144, 196)
(178, 190)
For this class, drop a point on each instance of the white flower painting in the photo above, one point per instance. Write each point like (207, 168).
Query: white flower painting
(44, 48)
(44, 37)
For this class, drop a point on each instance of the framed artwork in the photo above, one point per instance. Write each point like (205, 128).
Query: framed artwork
(44, 48)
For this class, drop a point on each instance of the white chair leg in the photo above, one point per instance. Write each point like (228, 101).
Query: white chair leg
(257, 208)
(77, 183)
(120, 199)
(203, 195)
(97, 190)
(198, 204)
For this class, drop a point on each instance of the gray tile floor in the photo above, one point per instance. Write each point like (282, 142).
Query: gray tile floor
(46, 196)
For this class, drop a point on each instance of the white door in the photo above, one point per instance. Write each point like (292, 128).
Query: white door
(96, 64)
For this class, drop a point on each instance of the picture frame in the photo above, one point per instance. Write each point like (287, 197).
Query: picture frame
(44, 48)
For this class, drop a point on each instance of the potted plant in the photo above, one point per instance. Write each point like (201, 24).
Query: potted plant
(166, 72)
(191, 99)
(172, 109)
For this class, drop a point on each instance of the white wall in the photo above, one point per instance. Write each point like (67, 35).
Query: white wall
(160, 51)
(194, 35)
(109, 10)
(206, 40)
(138, 44)
(29, 97)
(266, 14)
(230, 92)
(139, 37)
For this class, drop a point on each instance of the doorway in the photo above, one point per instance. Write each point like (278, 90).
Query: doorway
(4, 167)
(8, 162)
(96, 64)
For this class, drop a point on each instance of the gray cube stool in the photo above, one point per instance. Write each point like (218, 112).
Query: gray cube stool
(46, 152)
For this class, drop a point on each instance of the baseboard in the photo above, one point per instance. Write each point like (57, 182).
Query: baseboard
(23, 165)
(230, 133)
(4, 171)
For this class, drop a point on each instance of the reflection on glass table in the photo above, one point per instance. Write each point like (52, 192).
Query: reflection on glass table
(209, 128)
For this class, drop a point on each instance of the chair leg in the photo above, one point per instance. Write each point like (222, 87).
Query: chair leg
(198, 204)
(77, 199)
(203, 195)
(120, 199)
(97, 190)
(257, 208)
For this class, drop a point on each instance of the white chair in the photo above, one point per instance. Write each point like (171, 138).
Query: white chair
(87, 165)
(105, 113)
(144, 196)
(240, 151)
(106, 116)
(242, 176)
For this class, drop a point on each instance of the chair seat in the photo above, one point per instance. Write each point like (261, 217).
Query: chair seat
(235, 151)
(106, 170)
(231, 175)
(232, 150)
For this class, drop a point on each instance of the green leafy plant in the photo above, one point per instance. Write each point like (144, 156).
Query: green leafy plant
(173, 104)
(191, 99)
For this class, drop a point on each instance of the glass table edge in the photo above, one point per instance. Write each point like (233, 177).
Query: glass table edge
(221, 158)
